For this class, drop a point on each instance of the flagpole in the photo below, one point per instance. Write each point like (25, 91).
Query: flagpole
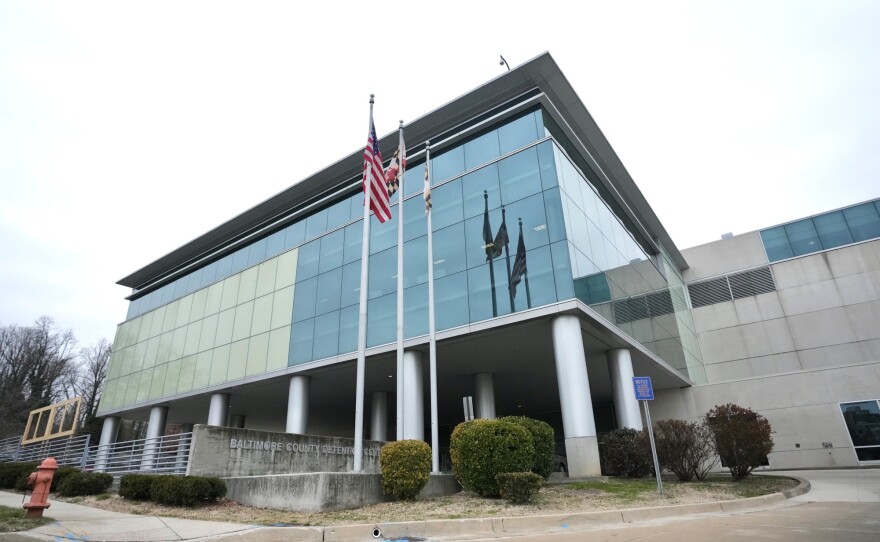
(362, 323)
(432, 335)
(507, 258)
(400, 289)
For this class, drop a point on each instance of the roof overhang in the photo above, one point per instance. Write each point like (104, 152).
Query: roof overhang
(541, 74)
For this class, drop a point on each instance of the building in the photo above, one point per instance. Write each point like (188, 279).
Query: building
(254, 324)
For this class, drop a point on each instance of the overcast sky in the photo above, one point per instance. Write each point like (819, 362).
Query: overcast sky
(128, 129)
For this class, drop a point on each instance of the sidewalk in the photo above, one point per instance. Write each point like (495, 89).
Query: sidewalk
(74, 522)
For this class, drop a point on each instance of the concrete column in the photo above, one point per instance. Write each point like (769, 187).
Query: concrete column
(413, 396)
(218, 409)
(108, 438)
(626, 408)
(484, 395)
(578, 424)
(379, 416)
(298, 405)
(155, 429)
(237, 421)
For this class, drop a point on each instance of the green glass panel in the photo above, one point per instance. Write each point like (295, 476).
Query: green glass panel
(164, 352)
(187, 372)
(258, 350)
(219, 365)
(208, 333)
(225, 322)
(146, 325)
(178, 341)
(230, 292)
(183, 311)
(282, 307)
(193, 334)
(158, 319)
(279, 345)
(262, 317)
(203, 370)
(171, 378)
(157, 385)
(238, 354)
(199, 301)
(212, 302)
(248, 286)
(170, 316)
(266, 274)
(243, 315)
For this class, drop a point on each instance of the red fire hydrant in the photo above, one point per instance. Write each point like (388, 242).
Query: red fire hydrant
(39, 483)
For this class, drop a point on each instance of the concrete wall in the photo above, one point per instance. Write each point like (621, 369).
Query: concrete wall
(322, 491)
(226, 451)
(793, 354)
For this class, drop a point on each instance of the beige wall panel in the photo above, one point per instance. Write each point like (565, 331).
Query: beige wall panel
(801, 271)
(861, 258)
(810, 297)
(821, 328)
(724, 256)
(715, 316)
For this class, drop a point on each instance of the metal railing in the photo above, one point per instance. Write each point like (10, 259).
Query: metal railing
(167, 454)
(68, 451)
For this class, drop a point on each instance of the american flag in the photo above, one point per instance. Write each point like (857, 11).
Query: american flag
(375, 176)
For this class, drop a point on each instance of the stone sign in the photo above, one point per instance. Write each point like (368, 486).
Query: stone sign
(227, 451)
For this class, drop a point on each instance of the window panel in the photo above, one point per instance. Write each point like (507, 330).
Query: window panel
(554, 213)
(203, 370)
(219, 365)
(286, 274)
(187, 372)
(519, 175)
(449, 251)
(143, 388)
(833, 230)
(266, 277)
(451, 301)
(247, 287)
(328, 292)
(480, 188)
(481, 150)
(348, 329)
(258, 351)
(257, 252)
(238, 352)
(307, 261)
(208, 333)
(351, 284)
(518, 133)
(547, 165)
(183, 310)
(326, 339)
(331, 251)
(295, 234)
(562, 272)
(179, 287)
(316, 224)
(178, 341)
(382, 320)
(354, 234)
(275, 244)
(802, 237)
(144, 329)
(301, 339)
(282, 308)
(338, 214)
(415, 262)
(474, 241)
(279, 346)
(447, 164)
(262, 317)
(225, 322)
(157, 383)
(447, 208)
(230, 292)
(415, 224)
(383, 236)
(151, 353)
(415, 312)
(243, 315)
(212, 299)
(862, 420)
(383, 273)
(224, 267)
(199, 300)
(193, 334)
(239, 260)
(776, 244)
(164, 352)
(304, 297)
(413, 181)
(863, 221)
(487, 291)
(172, 376)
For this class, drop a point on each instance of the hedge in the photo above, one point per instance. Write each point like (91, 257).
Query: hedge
(12, 473)
(519, 487)
(186, 490)
(84, 483)
(626, 453)
(136, 486)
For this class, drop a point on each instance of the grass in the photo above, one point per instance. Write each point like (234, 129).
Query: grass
(12, 520)
(565, 498)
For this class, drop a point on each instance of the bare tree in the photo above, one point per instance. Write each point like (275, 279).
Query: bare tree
(89, 383)
(36, 366)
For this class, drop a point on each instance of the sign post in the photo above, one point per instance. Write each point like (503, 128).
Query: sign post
(644, 393)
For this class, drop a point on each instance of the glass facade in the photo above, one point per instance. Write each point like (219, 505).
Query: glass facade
(830, 230)
(863, 423)
(292, 297)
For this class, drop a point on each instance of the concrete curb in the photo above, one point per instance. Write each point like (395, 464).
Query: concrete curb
(487, 527)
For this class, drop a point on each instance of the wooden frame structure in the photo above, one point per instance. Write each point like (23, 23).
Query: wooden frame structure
(53, 421)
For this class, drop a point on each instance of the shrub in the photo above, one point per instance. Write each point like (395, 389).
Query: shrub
(742, 438)
(626, 453)
(544, 441)
(406, 466)
(518, 487)
(482, 450)
(60, 475)
(84, 483)
(136, 486)
(685, 448)
(186, 490)
(11, 474)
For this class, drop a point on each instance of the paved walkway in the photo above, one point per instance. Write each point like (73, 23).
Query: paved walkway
(843, 505)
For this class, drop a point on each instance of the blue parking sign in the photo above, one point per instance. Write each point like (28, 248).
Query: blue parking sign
(643, 387)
